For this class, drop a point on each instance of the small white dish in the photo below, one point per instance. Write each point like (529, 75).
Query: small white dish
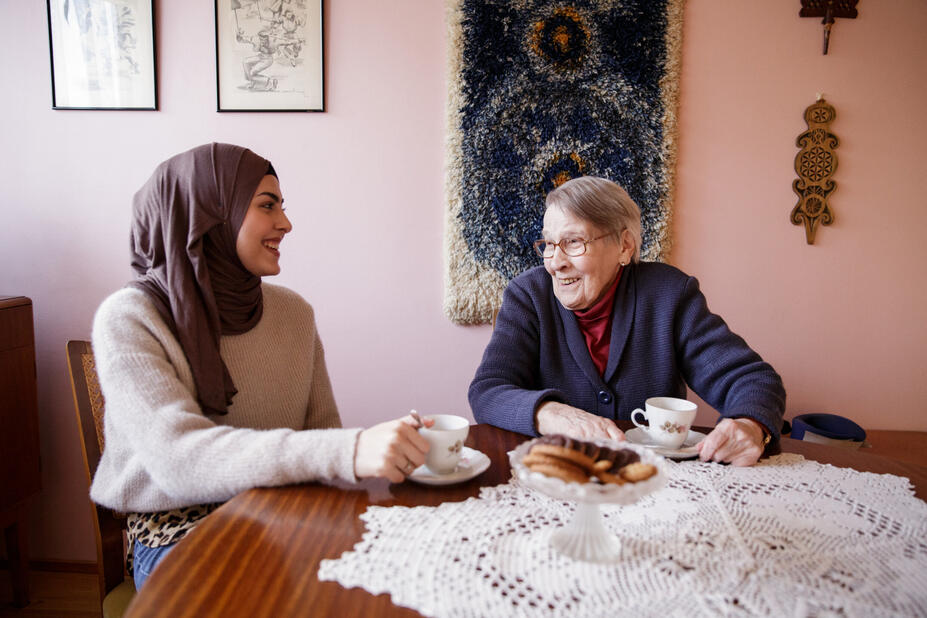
(472, 463)
(688, 449)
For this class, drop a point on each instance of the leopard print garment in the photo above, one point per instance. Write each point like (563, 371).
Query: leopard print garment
(164, 527)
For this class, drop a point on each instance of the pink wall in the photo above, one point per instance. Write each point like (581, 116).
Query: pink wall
(843, 320)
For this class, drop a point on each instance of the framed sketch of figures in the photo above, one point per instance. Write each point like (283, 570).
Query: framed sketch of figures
(102, 54)
(269, 55)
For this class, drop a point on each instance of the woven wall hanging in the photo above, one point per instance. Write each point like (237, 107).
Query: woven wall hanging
(541, 92)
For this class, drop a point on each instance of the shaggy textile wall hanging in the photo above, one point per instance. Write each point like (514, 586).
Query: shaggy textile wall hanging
(541, 92)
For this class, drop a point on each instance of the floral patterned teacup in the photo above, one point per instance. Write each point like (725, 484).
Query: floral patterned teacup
(446, 438)
(669, 420)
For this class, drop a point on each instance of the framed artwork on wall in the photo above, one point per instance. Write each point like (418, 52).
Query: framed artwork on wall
(102, 54)
(269, 56)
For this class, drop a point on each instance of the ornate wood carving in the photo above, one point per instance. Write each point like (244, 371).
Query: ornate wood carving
(829, 10)
(815, 163)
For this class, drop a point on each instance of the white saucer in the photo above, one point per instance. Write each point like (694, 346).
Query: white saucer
(472, 463)
(686, 451)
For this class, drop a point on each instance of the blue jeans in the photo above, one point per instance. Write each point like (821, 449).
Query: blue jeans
(146, 559)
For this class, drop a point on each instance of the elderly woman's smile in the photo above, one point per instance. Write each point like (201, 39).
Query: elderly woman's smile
(579, 281)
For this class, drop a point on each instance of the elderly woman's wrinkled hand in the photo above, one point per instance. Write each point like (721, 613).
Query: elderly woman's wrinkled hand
(738, 441)
(556, 417)
(391, 450)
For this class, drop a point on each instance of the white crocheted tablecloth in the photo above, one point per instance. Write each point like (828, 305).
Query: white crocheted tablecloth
(787, 537)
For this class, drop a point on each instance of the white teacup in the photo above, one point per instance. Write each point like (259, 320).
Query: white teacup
(446, 438)
(670, 419)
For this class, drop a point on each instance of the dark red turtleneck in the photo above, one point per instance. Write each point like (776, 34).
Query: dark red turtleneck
(596, 325)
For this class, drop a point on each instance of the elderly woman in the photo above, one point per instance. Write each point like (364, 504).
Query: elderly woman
(583, 341)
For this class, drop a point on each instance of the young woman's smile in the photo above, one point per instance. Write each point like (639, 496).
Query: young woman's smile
(263, 229)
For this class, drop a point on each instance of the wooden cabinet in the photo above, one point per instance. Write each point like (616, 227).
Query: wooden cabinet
(20, 475)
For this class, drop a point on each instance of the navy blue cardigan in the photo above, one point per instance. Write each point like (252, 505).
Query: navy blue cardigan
(663, 338)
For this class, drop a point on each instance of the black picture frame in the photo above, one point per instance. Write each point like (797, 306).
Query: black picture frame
(102, 54)
(269, 56)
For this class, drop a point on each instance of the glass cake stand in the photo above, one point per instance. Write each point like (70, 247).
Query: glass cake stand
(585, 537)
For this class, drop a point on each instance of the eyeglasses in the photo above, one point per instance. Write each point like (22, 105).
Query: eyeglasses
(573, 247)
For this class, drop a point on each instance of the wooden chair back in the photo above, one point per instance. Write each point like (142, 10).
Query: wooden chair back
(108, 526)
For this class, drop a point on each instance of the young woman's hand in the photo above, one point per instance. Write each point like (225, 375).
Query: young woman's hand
(391, 450)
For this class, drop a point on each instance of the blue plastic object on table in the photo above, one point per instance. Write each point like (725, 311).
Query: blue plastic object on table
(830, 426)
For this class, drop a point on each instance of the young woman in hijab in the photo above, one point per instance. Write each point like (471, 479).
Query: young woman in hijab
(214, 381)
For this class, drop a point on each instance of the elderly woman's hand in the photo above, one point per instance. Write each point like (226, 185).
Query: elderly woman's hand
(556, 417)
(391, 450)
(738, 441)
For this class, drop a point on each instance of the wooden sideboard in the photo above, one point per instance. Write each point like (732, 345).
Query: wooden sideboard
(20, 474)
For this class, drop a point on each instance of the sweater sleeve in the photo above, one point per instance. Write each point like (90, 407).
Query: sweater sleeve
(161, 452)
(721, 368)
(504, 392)
(322, 412)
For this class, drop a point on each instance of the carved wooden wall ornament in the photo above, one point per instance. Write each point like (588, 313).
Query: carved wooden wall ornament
(815, 163)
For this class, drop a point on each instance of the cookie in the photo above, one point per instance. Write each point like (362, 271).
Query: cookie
(565, 453)
(608, 477)
(539, 458)
(618, 458)
(587, 448)
(563, 471)
(637, 471)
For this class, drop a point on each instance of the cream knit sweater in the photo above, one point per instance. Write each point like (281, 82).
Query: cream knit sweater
(162, 453)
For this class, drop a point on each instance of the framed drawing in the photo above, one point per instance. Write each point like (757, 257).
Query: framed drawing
(102, 54)
(269, 56)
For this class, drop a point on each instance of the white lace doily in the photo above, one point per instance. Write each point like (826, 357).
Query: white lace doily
(787, 537)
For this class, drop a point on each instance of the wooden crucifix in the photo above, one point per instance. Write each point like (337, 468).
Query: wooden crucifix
(829, 10)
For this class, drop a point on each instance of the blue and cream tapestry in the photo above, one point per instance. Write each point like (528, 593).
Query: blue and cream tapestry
(542, 91)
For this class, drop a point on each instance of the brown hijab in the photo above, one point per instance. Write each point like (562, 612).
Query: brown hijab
(185, 223)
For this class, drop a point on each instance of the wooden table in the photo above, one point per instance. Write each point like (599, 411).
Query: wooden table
(259, 553)
(909, 446)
